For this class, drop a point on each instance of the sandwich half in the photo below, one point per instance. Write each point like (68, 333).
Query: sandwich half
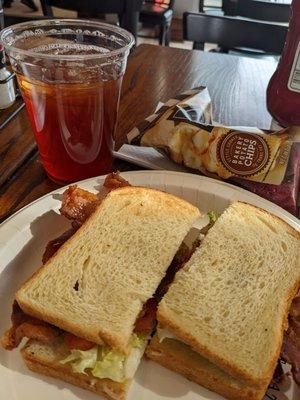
(222, 321)
(82, 309)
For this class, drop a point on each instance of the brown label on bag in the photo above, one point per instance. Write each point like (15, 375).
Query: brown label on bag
(243, 154)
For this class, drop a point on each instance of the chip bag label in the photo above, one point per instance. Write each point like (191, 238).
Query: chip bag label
(243, 155)
(252, 156)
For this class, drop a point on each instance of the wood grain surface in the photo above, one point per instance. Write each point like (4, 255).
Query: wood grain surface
(16, 145)
(237, 86)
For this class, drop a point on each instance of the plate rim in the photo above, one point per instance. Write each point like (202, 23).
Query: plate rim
(279, 211)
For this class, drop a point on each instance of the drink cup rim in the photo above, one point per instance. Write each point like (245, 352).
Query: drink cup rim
(56, 22)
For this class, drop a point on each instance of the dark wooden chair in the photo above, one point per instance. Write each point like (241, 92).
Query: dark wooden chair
(231, 33)
(230, 7)
(158, 13)
(1, 15)
(128, 10)
(258, 9)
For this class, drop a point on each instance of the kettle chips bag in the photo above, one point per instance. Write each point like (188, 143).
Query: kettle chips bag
(266, 163)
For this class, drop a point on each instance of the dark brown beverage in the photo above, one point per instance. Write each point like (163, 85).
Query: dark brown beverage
(70, 74)
(73, 125)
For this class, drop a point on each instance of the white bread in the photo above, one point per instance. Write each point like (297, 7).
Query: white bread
(97, 282)
(230, 301)
(180, 358)
(44, 359)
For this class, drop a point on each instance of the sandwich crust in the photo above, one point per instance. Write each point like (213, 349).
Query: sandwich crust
(44, 359)
(179, 358)
(237, 290)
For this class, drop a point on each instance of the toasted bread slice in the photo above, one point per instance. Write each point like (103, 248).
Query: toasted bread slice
(97, 282)
(230, 302)
(44, 359)
(180, 358)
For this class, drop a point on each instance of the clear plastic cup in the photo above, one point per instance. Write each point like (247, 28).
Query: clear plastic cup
(70, 75)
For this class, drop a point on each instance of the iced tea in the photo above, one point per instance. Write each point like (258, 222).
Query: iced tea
(70, 74)
(74, 124)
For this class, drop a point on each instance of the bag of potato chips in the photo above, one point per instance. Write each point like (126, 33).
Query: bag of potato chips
(266, 163)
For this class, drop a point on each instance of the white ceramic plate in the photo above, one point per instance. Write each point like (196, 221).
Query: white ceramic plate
(23, 238)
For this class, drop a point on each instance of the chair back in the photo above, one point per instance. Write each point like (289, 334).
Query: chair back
(231, 32)
(230, 7)
(264, 10)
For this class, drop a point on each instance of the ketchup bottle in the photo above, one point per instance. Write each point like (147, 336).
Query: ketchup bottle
(283, 93)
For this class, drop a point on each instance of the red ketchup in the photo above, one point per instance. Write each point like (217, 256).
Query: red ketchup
(283, 93)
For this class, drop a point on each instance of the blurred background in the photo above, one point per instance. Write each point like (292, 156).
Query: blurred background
(163, 21)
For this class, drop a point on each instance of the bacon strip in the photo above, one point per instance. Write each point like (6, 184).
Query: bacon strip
(55, 244)
(183, 254)
(290, 350)
(75, 342)
(115, 181)
(25, 326)
(45, 334)
(295, 308)
(146, 321)
(78, 204)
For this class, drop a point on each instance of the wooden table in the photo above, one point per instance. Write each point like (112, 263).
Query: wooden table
(237, 86)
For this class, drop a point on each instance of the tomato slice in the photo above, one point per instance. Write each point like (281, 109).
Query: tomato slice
(75, 342)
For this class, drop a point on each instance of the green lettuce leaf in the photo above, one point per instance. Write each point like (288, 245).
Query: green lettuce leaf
(105, 362)
(110, 365)
(131, 364)
(138, 341)
(81, 360)
(212, 215)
